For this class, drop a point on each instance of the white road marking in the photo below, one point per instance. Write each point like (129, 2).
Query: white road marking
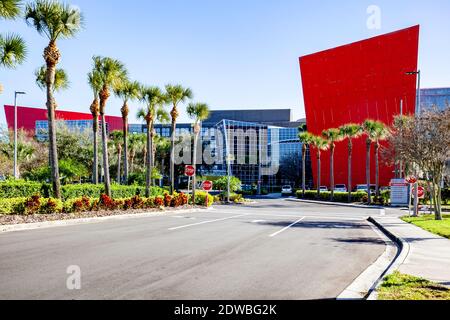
(281, 231)
(206, 222)
(382, 212)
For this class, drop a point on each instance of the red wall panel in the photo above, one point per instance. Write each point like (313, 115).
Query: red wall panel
(27, 117)
(355, 82)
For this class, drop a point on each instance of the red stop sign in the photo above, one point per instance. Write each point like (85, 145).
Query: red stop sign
(207, 185)
(189, 171)
(420, 192)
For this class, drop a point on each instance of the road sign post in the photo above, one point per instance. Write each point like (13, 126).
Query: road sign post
(207, 186)
(189, 171)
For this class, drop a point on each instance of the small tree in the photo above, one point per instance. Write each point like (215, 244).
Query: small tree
(320, 145)
(424, 142)
(198, 112)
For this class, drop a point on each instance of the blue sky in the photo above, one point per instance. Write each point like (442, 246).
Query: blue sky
(234, 54)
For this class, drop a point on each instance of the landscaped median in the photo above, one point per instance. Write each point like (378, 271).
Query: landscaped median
(37, 209)
(398, 286)
(430, 224)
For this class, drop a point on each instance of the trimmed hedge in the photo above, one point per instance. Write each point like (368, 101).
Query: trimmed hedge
(38, 205)
(24, 189)
(338, 196)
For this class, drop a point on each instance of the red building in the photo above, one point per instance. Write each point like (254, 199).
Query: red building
(355, 82)
(27, 117)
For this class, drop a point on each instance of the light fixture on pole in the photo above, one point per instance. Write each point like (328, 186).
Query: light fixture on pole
(16, 93)
(418, 108)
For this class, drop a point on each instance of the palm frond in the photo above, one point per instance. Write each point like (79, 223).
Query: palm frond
(198, 111)
(13, 50)
(54, 19)
(10, 9)
(61, 79)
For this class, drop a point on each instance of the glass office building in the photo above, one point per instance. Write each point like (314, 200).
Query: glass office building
(71, 125)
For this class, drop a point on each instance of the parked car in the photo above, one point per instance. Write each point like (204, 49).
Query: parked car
(287, 191)
(323, 189)
(363, 188)
(340, 188)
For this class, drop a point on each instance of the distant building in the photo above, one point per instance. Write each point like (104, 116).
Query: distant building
(435, 97)
(279, 136)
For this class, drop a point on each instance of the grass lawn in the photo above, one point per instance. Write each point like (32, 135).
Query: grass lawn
(399, 286)
(441, 228)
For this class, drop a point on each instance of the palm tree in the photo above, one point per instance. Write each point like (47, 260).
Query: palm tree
(381, 134)
(112, 74)
(332, 136)
(198, 112)
(350, 131)
(176, 94)
(12, 47)
(306, 139)
(136, 142)
(54, 20)
(61, 83)
(127, 91)
(154, 100)
(117, 140)
(320, 144)
(370, 130)
(95, 82)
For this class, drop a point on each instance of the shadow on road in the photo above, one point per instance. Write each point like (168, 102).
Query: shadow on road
(316, 224)
(359, 240)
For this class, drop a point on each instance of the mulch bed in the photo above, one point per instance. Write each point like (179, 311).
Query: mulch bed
(36, 218)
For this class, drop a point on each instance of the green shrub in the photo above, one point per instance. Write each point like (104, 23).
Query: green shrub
(10, 206)
(200, 199)
(325, 196)
(21, 189)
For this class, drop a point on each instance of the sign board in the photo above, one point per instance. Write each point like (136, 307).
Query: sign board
(399, 192)
(207, 186)
(189, 171)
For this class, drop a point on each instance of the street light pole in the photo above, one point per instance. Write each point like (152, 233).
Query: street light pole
(16, 93)
(419, 94)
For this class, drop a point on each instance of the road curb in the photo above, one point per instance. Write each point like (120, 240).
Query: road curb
(74, 222)
(403, 252)
(336, 204)
(367, 282)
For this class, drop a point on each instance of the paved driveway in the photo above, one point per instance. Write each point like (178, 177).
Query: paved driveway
(275, 249)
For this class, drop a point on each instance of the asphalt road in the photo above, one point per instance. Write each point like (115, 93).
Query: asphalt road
(270, 250)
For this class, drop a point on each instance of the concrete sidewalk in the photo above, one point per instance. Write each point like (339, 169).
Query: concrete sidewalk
(424, 254)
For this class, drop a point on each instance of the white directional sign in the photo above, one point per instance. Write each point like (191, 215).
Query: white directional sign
(399, 192)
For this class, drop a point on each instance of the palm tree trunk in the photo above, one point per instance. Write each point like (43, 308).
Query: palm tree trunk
(377, 169)
(149, 158)
(368, 147)
(107, 180)
(350, 154)
(194, 163)
(172, 150)
(125, 143)
(304, 170)
(51, 70)
(119, 159)
(332, 171)
(95, 164)
(318, 175)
